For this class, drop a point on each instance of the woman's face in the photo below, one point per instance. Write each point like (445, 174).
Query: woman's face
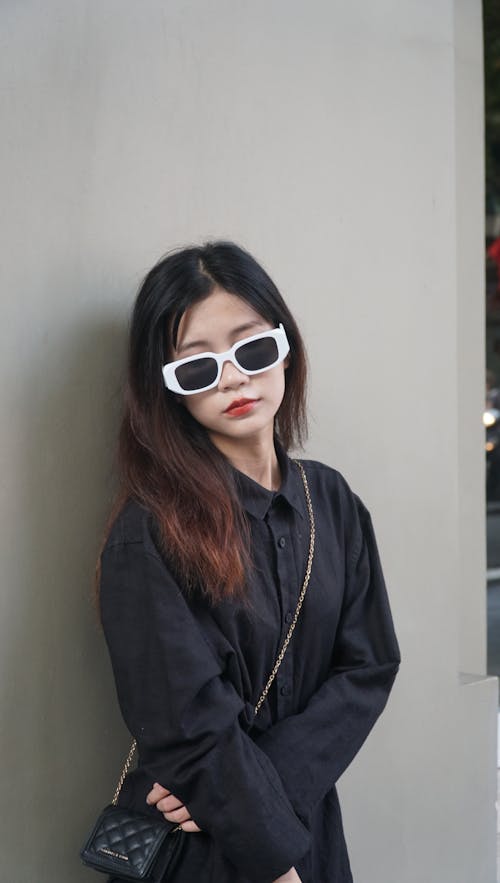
(214, 325)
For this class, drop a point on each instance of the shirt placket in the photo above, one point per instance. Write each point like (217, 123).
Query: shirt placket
(279, 524)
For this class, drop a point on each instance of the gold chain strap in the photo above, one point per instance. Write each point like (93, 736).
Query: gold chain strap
(124, 772)
(285, 643)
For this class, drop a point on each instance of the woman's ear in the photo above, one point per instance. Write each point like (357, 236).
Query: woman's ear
(286, 362)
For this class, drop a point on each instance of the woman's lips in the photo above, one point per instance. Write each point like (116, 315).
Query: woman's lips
(240, 406)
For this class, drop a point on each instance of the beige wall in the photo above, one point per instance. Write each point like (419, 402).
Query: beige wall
(341, 143)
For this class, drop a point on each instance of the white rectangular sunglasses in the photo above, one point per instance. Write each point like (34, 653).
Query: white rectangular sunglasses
(251, 355)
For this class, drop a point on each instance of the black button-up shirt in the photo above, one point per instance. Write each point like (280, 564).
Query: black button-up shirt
(189, 675)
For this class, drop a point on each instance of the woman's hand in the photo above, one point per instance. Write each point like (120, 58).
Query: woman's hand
(291, 876)
(172, 808)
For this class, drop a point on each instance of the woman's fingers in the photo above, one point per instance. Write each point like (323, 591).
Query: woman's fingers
(156, 794)
(177, 814)
(190, 826)
(169, 804)
(171, 807)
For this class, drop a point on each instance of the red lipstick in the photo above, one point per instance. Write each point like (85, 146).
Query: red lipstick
(240, 406)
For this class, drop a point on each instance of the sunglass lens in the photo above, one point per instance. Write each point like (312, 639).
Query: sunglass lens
(196, 374)
(258, 354)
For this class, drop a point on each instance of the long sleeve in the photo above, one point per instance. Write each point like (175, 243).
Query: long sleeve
(312, 749)
(185, 717)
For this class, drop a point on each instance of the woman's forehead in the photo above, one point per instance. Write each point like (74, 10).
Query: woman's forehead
(216, 316)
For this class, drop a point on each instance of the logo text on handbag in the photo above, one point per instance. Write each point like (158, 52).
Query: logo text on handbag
(114, 854)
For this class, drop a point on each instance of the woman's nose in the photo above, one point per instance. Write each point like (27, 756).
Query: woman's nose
(231, 377)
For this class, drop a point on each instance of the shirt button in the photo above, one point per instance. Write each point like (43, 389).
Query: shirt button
(289, 616)
(286, 690)
(282, 542)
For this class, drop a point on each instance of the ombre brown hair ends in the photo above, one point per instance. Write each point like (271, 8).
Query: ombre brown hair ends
(166, 460)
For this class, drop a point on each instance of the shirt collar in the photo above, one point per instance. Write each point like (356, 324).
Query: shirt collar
(257, 499)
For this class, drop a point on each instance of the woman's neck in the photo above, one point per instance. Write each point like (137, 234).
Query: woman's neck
(255, 458)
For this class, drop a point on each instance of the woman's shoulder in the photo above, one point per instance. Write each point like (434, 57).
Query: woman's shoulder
(329, 483)
(133, 524)
(327, 476)
(337, 503)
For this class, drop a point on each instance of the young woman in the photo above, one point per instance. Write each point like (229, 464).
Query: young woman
(207, 555)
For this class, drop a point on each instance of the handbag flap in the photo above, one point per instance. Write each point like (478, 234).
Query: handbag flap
(125, 842)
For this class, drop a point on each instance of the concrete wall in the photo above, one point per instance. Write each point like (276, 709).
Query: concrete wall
(341, 143)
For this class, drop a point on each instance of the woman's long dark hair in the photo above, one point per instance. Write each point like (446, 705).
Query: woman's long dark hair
(166, 459)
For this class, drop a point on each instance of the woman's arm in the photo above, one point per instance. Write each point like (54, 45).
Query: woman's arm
(312, 749)
(185, 717)
(163, 799)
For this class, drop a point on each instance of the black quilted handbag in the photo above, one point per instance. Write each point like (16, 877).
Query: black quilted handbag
(131, 845)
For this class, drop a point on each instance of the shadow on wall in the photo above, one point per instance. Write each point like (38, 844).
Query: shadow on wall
(64, 735)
